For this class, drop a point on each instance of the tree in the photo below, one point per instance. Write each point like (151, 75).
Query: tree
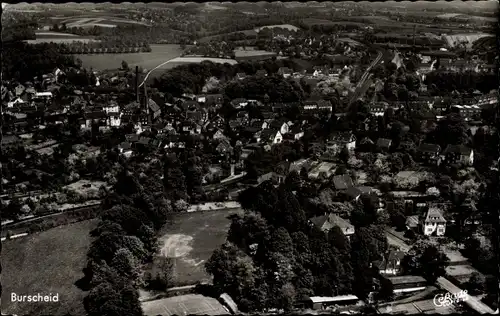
(107, 300)
(386, 291)
(425, 260)
(126, 264)
(476, 284)
(125, 65)
(161, 277)
(13, 210)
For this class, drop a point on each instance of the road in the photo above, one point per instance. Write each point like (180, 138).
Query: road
(396, 241)
(364, 83)
(149, 72)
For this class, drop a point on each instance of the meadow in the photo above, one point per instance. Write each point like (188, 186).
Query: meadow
(159, 53)
(46, 262)
(190, 239)
(95, 20)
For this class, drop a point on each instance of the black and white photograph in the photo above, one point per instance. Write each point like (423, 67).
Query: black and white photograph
(250, 158)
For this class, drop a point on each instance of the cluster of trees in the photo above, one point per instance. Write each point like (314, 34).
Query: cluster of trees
(124, 240)
(192, 78)
(23, 62)
(274, 256)
(444, 82)
(182, 176)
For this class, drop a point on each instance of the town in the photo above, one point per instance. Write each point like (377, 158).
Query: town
(302, 161)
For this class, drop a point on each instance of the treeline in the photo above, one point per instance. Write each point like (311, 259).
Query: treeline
(157, 34)
(124, 240)
(23, 62)
(110, 46)
(274, 257)
(445, 82)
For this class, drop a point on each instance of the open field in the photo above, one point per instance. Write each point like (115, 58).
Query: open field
(86, 186)
(468, 38)
(47, 262)
(282, 26)
(159, 53)
(191, 304)
(93, 20)
(191, 238)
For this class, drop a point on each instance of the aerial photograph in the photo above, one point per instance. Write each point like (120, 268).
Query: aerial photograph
(250, 158)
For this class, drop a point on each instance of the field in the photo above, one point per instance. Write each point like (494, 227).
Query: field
(469, 38)
(48, 262)
(159, 53)
(191, 304)
(283, 26)
(191, 238)
(86, 21)
(86, 186)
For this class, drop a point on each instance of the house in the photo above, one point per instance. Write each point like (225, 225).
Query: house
(468, 111)
(214, 100)
(224, 147)
(219, 135)
(340, 141)
(279, 125)
(378, 108)
(154, 109)
(342, 182)
(95, 117)
(270, 136)
(125, 148)
(407, 283)
(174, 141)
(261, 73)
(273, 176)
(412, 222)
(228, 302)
(111, 107)
(384, 144)
(323, 169)
(298, 165)
(296, 132)
(390, 263)
(458, 154)
(285, 72)
(434, 223)
(113, 119)
(310, 105)
(428, 153)
(239, 103)
(356, 192)
(327, 222)
(325, 105)
(10, 140)
(241, 75)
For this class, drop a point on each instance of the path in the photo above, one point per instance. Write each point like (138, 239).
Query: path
(363, 83)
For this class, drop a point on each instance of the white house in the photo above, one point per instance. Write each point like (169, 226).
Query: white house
(113, 119)
(270, 136)
(15, 102)
(43, 95)
(111, 108)
(434, 223)
(458, 154)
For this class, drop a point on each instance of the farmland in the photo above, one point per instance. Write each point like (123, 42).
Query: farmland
(86, 21)
(190, 304)
(159, 53)
(468, 38)
(191, 238)
(47, 262)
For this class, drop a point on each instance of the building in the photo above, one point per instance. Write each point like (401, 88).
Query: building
(434, 223)
(340, 141)
(458, 154)
(285, 72)
(321, 302)
(429, 153)
(407, 283)
(270, 136)
(378, 108)
(342, 182)
(468, 111)
(390, 263)
(327, 222)
(384, 144)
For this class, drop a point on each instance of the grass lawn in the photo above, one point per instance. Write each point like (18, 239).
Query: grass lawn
(47, 262)
(191, 238)
(191, 304)
(159, 53)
